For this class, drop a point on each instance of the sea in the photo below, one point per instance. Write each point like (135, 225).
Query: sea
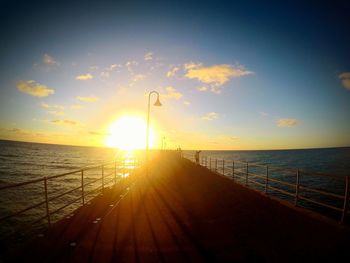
(24, 161)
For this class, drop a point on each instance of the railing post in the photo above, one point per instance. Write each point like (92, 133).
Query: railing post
(115, 171)
(233, 170)
(124, 167)
(216, 165)
(267, 179)
(223, 167)
(297, 188)
(209, 163)
(47, 202)
(246, 176)
(103, 177)
(82, 187)
(346, 197)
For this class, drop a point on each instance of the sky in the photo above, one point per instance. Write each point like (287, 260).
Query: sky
(243, 75)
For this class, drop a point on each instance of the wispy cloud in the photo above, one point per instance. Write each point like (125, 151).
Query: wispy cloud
(47, 106)
(202, 88)
(210, 116)
(192, 65)
(136, 78)
(187, 103)
(65, 122)
(87, 98)
(111, 68)
(172, 93)
(148, 56)
(44, 105)
(84, 77)
(216, 75)
(76, 106)
(49, 60)
(263, 114)
(33, 88)
(99, 133)
(345, 79)
(287, 123)
(171, 73)
(130, 64)
(56, 113)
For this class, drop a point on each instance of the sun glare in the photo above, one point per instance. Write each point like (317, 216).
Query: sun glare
(129, 133)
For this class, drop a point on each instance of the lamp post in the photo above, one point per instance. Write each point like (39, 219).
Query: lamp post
(157, 103)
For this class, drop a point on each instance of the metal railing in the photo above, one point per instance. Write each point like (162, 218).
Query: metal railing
(87, 183)
(294, 185)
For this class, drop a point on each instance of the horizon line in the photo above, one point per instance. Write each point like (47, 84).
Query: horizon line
(106, 147)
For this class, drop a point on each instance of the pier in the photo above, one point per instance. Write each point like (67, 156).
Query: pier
(177, 211)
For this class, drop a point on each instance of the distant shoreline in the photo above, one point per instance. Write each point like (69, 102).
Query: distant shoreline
(211, 150)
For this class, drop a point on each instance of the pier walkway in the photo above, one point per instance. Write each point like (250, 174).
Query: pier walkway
(181, 212)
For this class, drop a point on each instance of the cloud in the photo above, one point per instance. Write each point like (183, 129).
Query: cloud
(345, 79)
(44, 105)
(216, 75)
(84, 77)
(57, 113)
(148, 56)
(87, 98)
(49, 60)
(287, 123)
(187, 103)
(105, 74)
(203, 88)
(129, 65)
(113, 67)
(171, 73)
(65, 122)
(192, 65)
(263, 114)
(210, 116)
(33, 88)
(107, 71)
(76, 106)
(138, 77)
(172, 93)
(47, 106)
(99, 133)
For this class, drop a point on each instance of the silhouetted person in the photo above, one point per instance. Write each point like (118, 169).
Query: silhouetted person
(197, 156)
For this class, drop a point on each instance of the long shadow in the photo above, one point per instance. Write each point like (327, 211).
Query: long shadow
(206, 255)
(66, 253)
(130, 229)
(154, 237)
(172, 233)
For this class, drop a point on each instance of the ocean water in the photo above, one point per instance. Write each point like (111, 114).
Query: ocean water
(335, 161)
(20, 162)
(315, 169)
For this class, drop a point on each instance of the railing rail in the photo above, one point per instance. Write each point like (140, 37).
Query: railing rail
(113, 167)
(260, 175)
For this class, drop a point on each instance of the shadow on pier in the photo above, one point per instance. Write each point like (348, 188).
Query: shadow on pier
(181, 212)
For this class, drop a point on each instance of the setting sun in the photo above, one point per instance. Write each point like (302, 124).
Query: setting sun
(129, 133)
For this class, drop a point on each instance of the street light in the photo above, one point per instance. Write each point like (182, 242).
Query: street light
(157, 103)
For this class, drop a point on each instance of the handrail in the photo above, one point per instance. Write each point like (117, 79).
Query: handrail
(118, 164)
(245, 177)
(52, 177)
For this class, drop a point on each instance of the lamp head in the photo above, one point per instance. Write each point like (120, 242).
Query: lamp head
(157, 103)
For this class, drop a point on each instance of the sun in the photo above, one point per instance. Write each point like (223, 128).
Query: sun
(129, 133)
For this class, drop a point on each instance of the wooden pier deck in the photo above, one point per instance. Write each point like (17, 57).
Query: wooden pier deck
(182, 212)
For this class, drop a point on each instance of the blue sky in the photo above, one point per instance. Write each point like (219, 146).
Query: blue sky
(232, 75)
